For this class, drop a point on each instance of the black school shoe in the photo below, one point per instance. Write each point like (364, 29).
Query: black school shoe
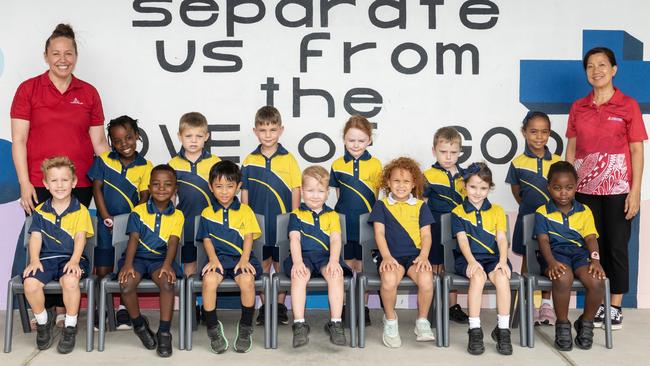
(67, 340)
(585, 333)
(283, 317)
(260, 316)
(457, 314)
(475, 344)
(146, 335)
(336, 333)
(44, 332)
(218, 341)
(563, 338)
(244, 340)
(164, 344)
(300, 334)
(502, 337)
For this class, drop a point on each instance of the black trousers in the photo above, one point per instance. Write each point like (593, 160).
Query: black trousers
(614, 234)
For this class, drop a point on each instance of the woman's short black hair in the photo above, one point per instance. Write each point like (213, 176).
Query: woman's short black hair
(225, 169)
(561, 167)
(604, 50)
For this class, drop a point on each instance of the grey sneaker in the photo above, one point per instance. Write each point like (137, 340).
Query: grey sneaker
(599, 318)
(336, 332)
(244, 339)
(218, 341)
(391, 337)
(300, 334)
(67, 340)
(423, 331)
(44, 332)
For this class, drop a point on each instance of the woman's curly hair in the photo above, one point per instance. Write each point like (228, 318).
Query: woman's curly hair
(410, 166)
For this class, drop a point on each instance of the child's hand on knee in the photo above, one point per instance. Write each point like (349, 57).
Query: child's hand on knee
(556, 270)
(333, 269)
(422, 264)
(473, 268)
(503, 266)
(72, 268)
(166, 269)
(596, 270)
(299, 270)
(388, 264)
(32, 268)
(245, 266)
(212, 266)
(126, 272)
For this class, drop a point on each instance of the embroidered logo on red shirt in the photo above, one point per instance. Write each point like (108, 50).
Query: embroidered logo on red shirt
(76, 101)
(616, 119)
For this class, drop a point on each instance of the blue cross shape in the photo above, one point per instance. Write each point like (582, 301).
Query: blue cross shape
(552, 86)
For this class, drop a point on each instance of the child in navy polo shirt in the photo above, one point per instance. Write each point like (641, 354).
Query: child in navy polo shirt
(402, 225)
(154, 230)
(227, 230)
(568, 249)
(120, 182)
(59, 230)
(480, 228)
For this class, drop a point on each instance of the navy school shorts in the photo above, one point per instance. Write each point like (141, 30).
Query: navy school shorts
(146, 266)
(487, 261)
(229, 262)
(314, 261)
(572, 256)
(53, 269)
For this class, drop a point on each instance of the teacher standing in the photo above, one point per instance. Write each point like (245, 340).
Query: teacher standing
(606, 134)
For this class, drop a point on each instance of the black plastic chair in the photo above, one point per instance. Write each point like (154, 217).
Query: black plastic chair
(452, 280)
(282, 281)
(369, 280)
(535, 280)
(16, 287)
(110, 285)
(194, 285)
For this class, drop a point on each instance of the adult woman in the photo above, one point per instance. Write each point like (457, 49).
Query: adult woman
(606, 135)
(55, 114)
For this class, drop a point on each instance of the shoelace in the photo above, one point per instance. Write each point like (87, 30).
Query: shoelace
(67, 335)
(338, 328)
(475, 336)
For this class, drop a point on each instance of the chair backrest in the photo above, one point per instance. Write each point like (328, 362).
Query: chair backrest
(368, 245)
(89, 249)
(282, 236)
(121, 238)
(531, 244)
(201, 256)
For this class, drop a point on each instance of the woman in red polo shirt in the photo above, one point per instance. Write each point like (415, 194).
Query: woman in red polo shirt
(56, 114)
(606, 134)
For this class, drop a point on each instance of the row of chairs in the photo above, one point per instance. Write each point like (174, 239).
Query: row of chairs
(270, 285)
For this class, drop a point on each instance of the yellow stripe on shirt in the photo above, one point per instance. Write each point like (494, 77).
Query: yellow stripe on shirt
(238, 249)
(283, 209)
(360, 195)
(126, 198)
(478, 241)
(316, 239)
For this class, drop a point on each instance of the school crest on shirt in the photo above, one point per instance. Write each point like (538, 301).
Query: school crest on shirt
(76, 100)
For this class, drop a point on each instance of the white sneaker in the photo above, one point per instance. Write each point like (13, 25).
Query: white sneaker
(391, 336)
(423, 331)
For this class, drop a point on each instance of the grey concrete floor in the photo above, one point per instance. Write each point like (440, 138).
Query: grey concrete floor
(123, 348)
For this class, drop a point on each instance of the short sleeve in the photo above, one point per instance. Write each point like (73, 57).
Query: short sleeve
(296, 175)
(37, 223)
(336, 223)
(428, 190)
(244, 176)
(84, 223)
(376, 178)
(589, 227)
(96, 171)
(202, 232)
(333, 181)
(294, 223)
(571, 123)
(97, 111)
(426, 218)
(134, 224)
(456, 224)
(541, 224)
(146, 177)
(636, 128)
(512, 177)
(21, 107)
(377, 214)
(501, 220)
(251, 226)
(179, 221)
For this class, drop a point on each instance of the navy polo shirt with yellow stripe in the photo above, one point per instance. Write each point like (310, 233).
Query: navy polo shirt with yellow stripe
(569, 229)
(193, 187)
(402, 221)
(269, 182)
(443, 190)
(529, 172)
(227, 227)
(480, 225)
(315, 228)
(358, 181)
(58, 231)
(155, 228)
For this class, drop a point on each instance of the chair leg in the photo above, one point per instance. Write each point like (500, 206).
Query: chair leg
(445, 310)
(521, 312)
(181, 315)
(514, 309)
(530, 327)
(266, 281)
(361, 290)
(110, 309)
(90, 295)
(273, 301)
(438, 313)
(9, 318)
(190, 314)
(102, 316)
(609, 343)
(24, 315)
(352, 313)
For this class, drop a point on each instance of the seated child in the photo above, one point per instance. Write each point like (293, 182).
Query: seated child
(402, 224)
(228, 229)
(568, 249)
(315, 244)
(154, 230)
(59, 230)
(480, 228)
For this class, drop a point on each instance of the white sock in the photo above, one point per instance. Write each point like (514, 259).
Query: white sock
(336, 320)
(299, 320)
(503, 321)
(41, 318)
(121, 307)
(547, 302)
(70, 320)
(474, 322)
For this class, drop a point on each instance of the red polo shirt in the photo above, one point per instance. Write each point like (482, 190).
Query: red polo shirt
(58, 123)
(603, 134)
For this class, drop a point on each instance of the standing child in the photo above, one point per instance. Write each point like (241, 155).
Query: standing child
(58, 236)
(480, 228)
(443, 191)
(315, 243)
(154, 230)
(527, 177)
(192, 166)
(402, 225)
(356, 176)
(228, 229)
(271, 186)
(568, 248)
(120, 182)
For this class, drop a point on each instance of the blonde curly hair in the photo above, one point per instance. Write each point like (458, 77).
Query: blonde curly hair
(410, 166)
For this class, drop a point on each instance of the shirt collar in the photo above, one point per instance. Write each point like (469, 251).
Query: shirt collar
(575, 207)
(204, 155)
(325, 209)
(616, 99)
(235, 205)
(280, 151)
(74, 206)
(347, 156)
(528, 152)
(139, 160)
(46, 82)
(458, 168)
(410, 201)
(469, 207)
(152, 209)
